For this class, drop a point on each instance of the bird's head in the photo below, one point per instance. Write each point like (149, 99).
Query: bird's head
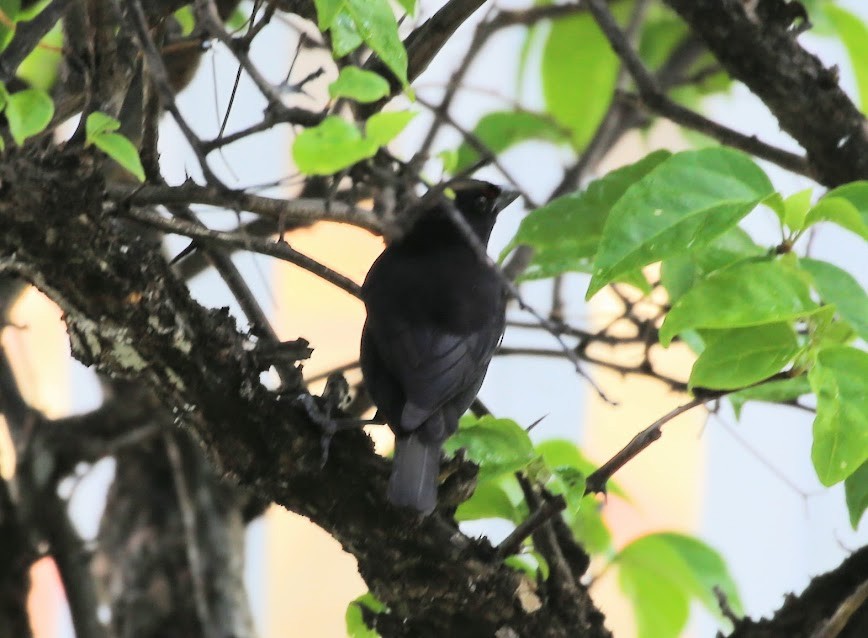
(474, 197)
(480, 202)
(476, 201)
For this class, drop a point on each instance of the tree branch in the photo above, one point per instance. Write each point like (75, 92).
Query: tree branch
(281, 250)
(27, 36)
(764, 53)
(656, 100)
(144, 324)
(293, 211)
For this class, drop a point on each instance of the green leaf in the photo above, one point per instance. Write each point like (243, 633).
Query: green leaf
(825, 331)
(408, 5)
(497, 446)
(449, 157)
(531, 42)
(377, 26)
(661, 33)
(332, 145)
(326, 12)
(123, 151)
(356, 627)
(775, 202)
(578, 81)
(382, 128)
(345, 35)
(99, 124)
(749, 293)
(185, 19)
(237, 19)
(857, 194)
(679, 274)
(31, 10)
(530, 563)
(335, 144)
(503, 129)
(661, 609)
(359, 85)
(856, 493)
(839, 287)
(838, 210)
(589, 528)
(661, 573)
(840, 381)
(854, 36)
(352, 22)
(772, 392)
(565, 233)
(796, 208)
(569, 483)
(743, 356)
(98, 131)
(9, 10)
(563, 452)
(28, 113)
(40, 68)
(683, 204)
(493, 499)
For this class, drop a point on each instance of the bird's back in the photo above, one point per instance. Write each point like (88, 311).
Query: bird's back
(435, 317)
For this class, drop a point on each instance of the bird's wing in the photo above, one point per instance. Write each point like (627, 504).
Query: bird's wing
(432, 365)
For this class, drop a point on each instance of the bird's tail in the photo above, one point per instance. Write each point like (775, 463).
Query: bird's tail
(415, 469)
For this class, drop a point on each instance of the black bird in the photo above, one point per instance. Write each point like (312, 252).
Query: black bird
(435, 318)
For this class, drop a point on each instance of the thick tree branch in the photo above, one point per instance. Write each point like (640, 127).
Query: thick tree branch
(764, 53)
(143, 323)
(655, 99)
(800, 616)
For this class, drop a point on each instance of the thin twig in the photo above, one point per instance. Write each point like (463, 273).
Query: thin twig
(750, 449)
(482, 254)
(480, 37)
(642, 369)
(293, 211)
(510, 545)
(600, 336)
(208, 17)
(597, 480)
(245, 242)
(480, 147)
(158, 72)
(546, 542)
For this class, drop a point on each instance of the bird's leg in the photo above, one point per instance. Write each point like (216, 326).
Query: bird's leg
(334, 398)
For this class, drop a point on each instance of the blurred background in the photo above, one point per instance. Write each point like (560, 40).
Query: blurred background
(745, 486)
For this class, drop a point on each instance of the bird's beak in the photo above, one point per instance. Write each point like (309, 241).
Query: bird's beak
(505, 199)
